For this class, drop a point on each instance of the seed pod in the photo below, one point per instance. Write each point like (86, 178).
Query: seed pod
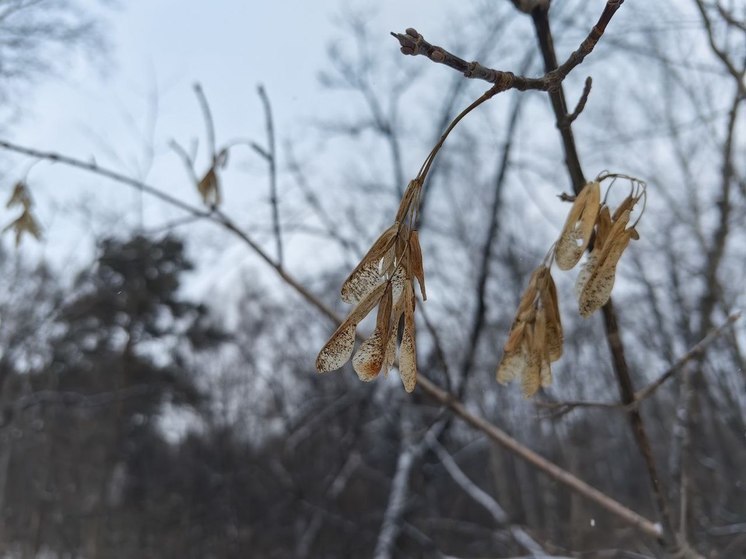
(576, 233)
(366, 275)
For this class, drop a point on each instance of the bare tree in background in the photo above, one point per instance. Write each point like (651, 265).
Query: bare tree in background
(43, 37)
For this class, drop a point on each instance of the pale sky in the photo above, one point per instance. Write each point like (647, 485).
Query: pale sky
(144, 97)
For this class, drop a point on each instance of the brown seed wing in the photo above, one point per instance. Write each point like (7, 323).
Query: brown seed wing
(603, 225)
(209, 188)
(415, 255)
(408, 350)
(627, 204)
(554, 335)
(546, 373)
(511, 367)
(367, 304)
(586, 272)
(338, 349)
(366, 275)
(576, 233)
(597, 291)
(531, 379)
(515, 337)
(369, 357)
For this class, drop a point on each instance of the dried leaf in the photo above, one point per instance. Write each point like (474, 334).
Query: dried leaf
(511, 367)
(19, 196)
(25, 223)
(528, 298)
(408, 350)
(411, 194)
(390, 356)
(515, 337)
(586, 272)
(576, 233)
(362, 280)
(546, 373)
(209, 188)
(531, 378)
(369, 357)
(366, 275)
(603, 225)
(338, 349)
(367, 304)
(554, 334)
(383, 320)
(399, 282)
(415, 256)
(627, 204)
(597, 290)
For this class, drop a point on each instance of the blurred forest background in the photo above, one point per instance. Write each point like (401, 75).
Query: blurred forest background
(137, 420)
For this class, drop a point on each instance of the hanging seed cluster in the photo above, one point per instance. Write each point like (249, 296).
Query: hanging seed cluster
(535, 339)
(384, 278)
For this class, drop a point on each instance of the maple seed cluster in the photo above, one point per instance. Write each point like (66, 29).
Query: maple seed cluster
(384, 278)
(535, 339)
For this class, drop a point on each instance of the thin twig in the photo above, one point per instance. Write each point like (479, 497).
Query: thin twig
(412, 43)
(209, 124)
(737, 74)
(696, 351)
(95, 168)
(186, 160)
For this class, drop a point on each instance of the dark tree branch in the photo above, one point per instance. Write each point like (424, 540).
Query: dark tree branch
(412, 43)
(581, 102)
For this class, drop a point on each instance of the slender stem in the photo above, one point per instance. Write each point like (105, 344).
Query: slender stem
(102, 171)
(271, 158)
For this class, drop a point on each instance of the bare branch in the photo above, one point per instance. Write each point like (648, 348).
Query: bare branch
(270, 154)
(737, 74)
(581, 102)
(93, 167)
(412, 43)
(209, 124)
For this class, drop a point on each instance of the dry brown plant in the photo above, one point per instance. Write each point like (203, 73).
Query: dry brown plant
(385, 278)
(535, 339)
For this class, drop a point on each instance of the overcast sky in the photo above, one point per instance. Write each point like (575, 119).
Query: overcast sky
(141, 95)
